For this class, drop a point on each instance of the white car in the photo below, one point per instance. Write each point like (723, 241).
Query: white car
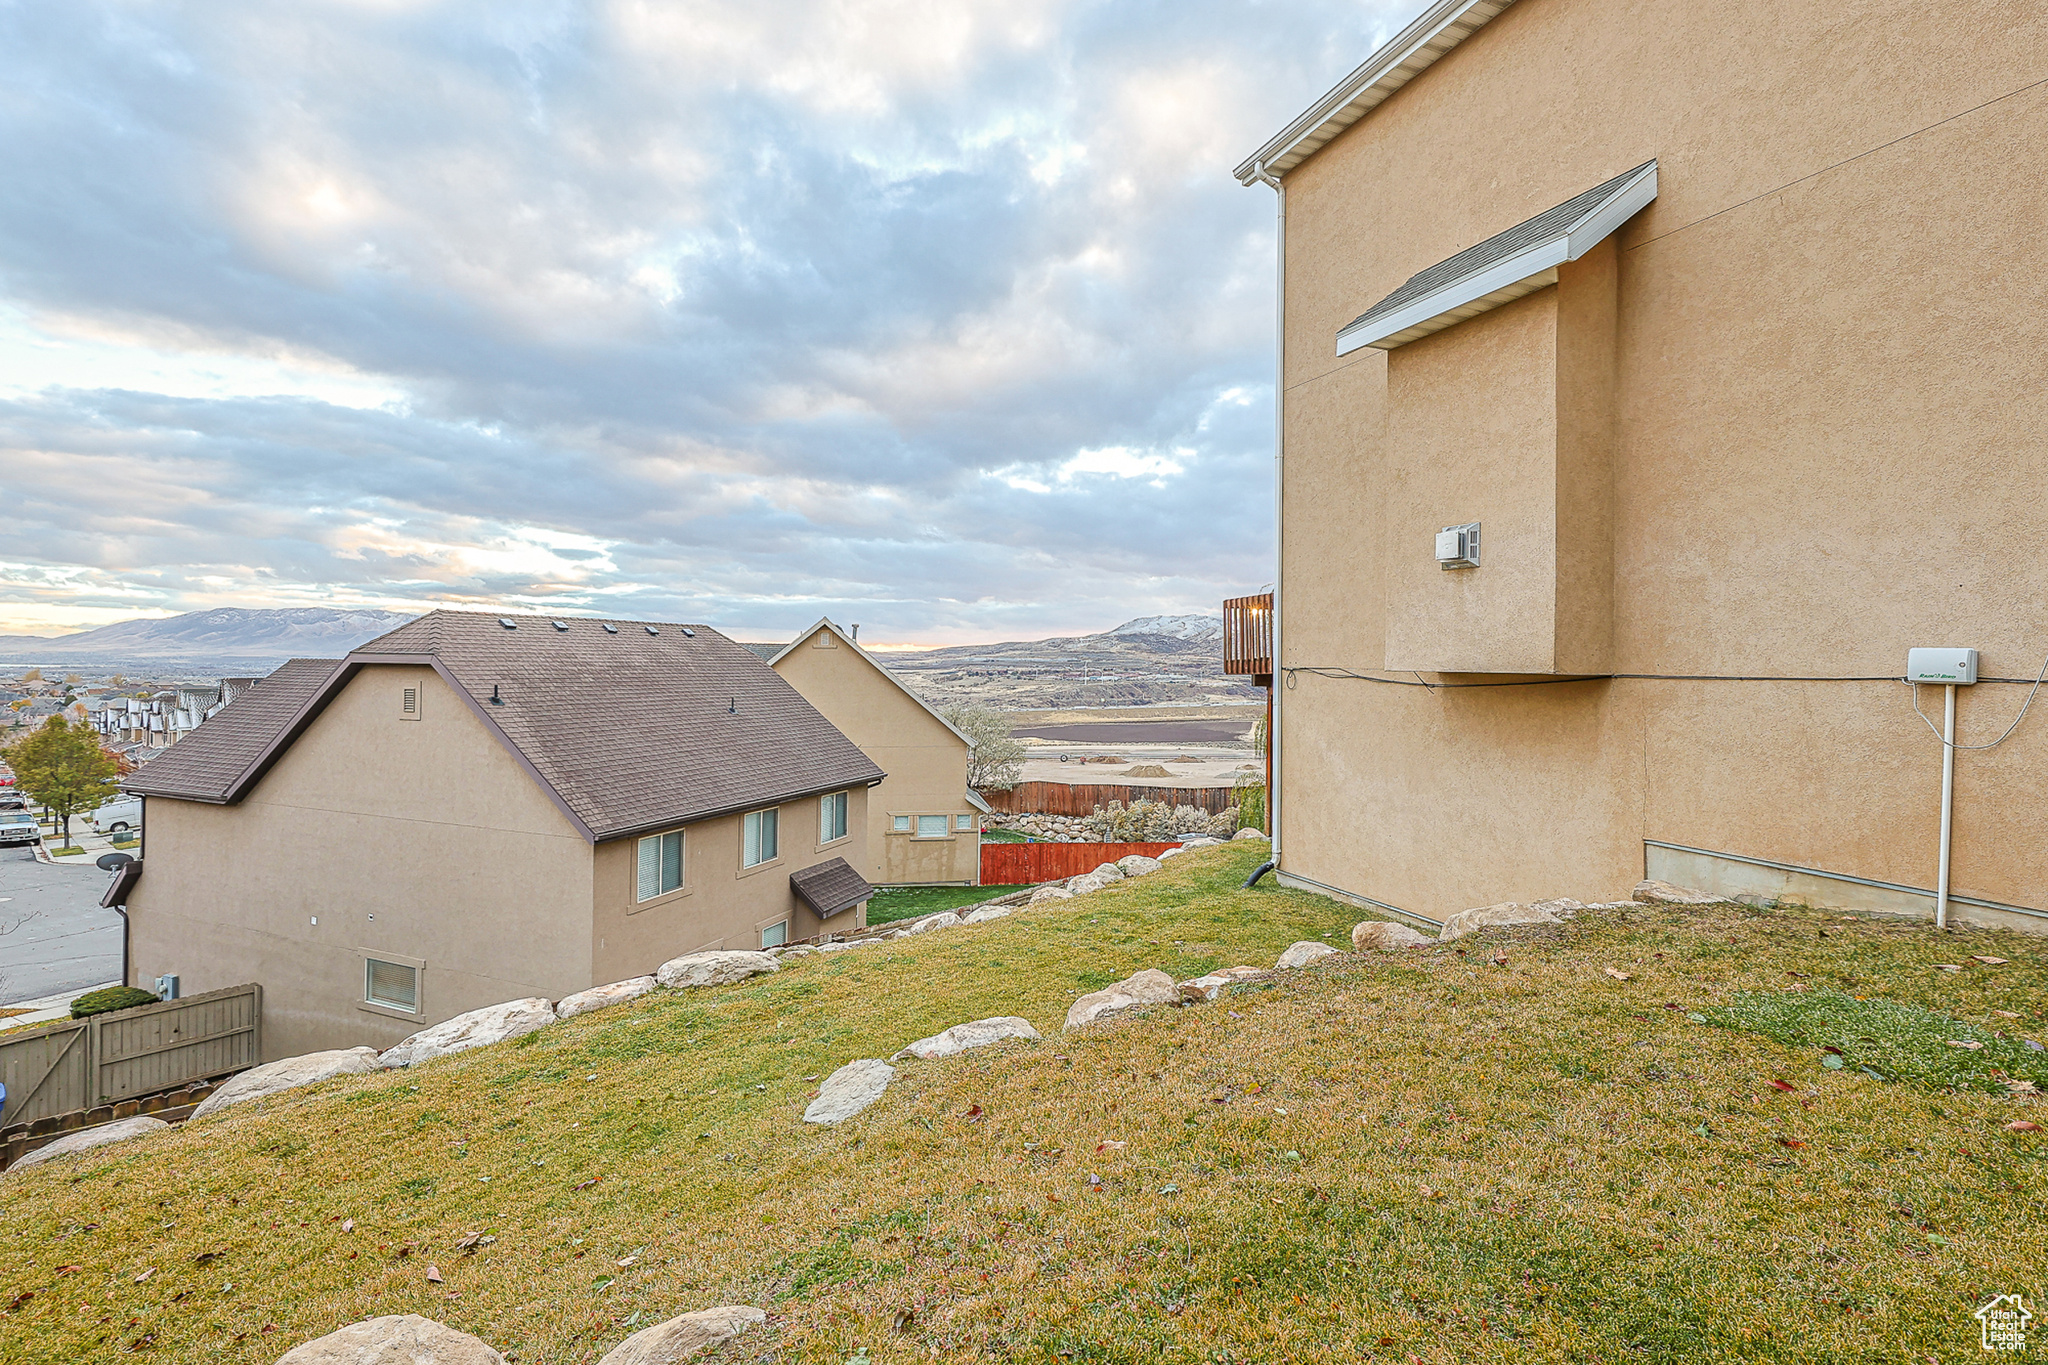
(18, 827)
(118, 816)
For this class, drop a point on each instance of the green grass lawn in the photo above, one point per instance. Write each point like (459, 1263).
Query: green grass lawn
(1003, 836)
(912, 901)
(1520, 1147)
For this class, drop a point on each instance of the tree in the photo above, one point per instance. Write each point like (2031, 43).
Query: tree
(33, 675)
(63, 768)
(994, 760)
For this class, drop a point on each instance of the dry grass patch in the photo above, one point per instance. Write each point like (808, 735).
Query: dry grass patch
(1418, 1156)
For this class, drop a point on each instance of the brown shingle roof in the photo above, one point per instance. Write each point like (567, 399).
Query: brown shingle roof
(830, 887)
(207, 764)
(638, 726)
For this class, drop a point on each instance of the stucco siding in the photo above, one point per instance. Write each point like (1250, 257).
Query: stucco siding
(1824, 448)
(419, 841)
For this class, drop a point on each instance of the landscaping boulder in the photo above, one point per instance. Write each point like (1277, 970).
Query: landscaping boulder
(961, 1037)
(1216, 982)
(1136, 864)
(399, 1339)
(478, 1028)
(849, 1090)
(987, 913)
(1491, 916)
(1385, 935)
(1166, 853)
(289, 1074)
(1664, 893)
(1149, 987)
(1082, 885)
(1051, 893)
(713, 968)
(85, 1139)
(600, 997)
(1109, 872)
(1203, 841)
(1249, 834)
(1301, 954)
(948, 920)
(667, 1343)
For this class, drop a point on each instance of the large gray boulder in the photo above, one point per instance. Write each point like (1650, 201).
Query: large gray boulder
(1385, 935)
(1149, 987)
(1088, 881)
(289, 1074)
(849, 1090)
(1301, 954)
(678, 1339)
(604, 997)
(478, 1028)
(1109, 872)
(713, 968)
(85, 1139)
(961, 1037)
(1136, 864)
(399, 1339)
(1249, 834)
(947, 920)
(1664, 893)
(1215, 983)
(1050, 893)
(1494, 916)
(989, 912)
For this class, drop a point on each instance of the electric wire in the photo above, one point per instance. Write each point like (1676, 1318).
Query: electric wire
(2008, 729)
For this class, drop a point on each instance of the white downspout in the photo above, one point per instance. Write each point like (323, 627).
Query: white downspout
(1948, 804)
(1260, 174)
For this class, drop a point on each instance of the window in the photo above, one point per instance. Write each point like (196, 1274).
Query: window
(931, 826)
(392, 984)
(775, 935)
(409, 703)
(660, 864)
(831, 817)
(901, 824)
(963, 822)
(758, 843)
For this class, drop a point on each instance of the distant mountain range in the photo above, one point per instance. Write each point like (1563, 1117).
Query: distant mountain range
(224, 635)
(1150, 661)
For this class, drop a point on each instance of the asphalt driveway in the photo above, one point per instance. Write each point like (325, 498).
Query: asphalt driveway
(54, 936)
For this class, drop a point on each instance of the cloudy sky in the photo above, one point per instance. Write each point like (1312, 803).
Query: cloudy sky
(944, 317)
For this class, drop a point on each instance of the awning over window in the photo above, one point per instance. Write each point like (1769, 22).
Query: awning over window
(1502, 268)
(830, 887)
(124, 880)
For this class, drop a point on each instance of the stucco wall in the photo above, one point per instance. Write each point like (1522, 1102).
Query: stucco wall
(419, 841)
(926, 762)
(720, 904)
(1825, 449)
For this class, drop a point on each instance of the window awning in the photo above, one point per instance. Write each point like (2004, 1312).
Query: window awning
(830, 887)
(1502, 268)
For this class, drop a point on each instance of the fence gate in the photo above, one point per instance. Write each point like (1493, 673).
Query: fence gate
(79, 1064)
(46, 1070)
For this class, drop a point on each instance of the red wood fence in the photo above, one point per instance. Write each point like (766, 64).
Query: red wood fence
(1017, 864)
(1069, 798)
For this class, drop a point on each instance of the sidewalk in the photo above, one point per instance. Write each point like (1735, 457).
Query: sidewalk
(47, 1009)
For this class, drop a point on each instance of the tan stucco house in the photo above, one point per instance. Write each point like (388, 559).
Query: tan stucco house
(924, 825)
(474, 809)
(1653, 378)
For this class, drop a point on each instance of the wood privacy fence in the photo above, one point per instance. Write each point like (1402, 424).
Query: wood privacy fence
(79, 1064)
(1069, 798)
(1016, 864)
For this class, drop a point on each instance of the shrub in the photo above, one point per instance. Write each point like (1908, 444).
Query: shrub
(1251, 805)
(111, 998)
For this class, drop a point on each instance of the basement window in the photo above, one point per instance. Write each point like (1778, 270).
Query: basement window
(659, 867)
(392, 985)
(775, 935)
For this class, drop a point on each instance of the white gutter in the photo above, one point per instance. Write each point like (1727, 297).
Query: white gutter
(1262, 176)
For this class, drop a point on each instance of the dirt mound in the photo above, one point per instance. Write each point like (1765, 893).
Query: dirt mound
(1147, 770)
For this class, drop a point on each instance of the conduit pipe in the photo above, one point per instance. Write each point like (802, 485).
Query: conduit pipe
(1948, 803)
(1274, 727)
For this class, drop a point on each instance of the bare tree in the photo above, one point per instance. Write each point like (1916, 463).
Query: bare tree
(994, 760)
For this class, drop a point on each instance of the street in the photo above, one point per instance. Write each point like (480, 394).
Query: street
(54, 936)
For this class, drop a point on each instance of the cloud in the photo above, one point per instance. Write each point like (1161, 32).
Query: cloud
(945, 317)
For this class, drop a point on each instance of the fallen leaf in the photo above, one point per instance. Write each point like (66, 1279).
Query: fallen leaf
(1829, 1047)
(433, 1275)
(19, 1299)
(1783, 1085)
(1790, 1142)
(2005, 1014)
(625, 1261)
(588, 1183)
(1800, 975)
(73, 1270)
(1988, 960)
(973, 1112)
(1832, 1061)
(2020, 1087)
(348, 1225)
(1616, 973)
(1169, 1189)
(1673, 1005)
(1947, 967)
(145, 1275)
(2023, 1126)
(1970, 1043)
(902, 1320)
(1109, 1145)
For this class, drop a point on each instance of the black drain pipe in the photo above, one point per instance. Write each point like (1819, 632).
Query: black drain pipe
(1261, 870)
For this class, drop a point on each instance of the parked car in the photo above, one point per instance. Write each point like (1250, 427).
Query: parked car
(12, 800)
(118, 816)
(19, 827)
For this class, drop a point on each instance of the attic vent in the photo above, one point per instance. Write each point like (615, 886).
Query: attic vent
(409, 704)
(561, 625)
(650, 630)
(610, 629)
(507, 623)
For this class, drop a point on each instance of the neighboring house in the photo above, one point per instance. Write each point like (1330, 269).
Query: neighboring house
(924, 824)
(474, 809)
(1722, 326)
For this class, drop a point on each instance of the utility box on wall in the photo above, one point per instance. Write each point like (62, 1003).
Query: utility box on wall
(1506, 420)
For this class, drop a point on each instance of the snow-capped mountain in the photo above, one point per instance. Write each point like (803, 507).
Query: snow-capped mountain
(1187, 627)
